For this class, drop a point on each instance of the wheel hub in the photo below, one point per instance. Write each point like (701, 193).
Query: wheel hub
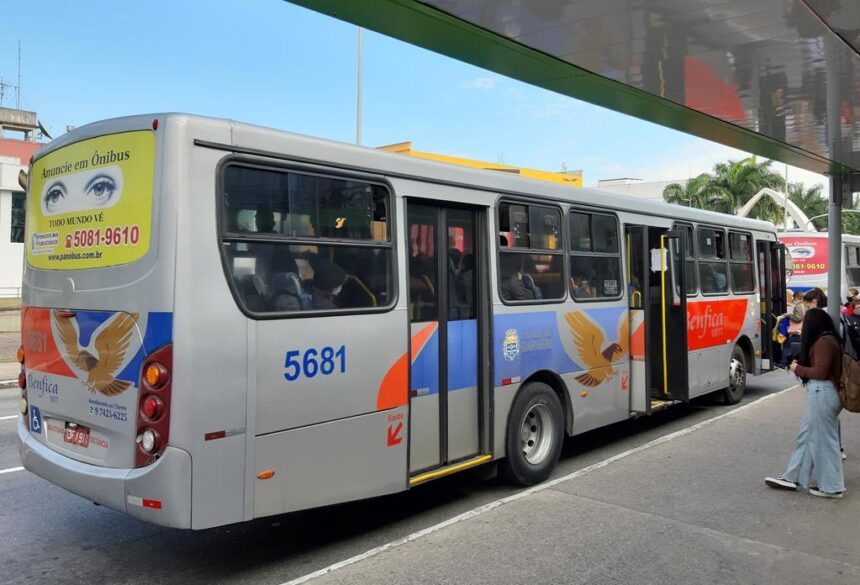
(536, 434)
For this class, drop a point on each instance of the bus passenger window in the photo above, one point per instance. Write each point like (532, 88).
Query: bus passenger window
(298, 242)
(713, 273)
(531, 256)
(595, 260)
(741, 262)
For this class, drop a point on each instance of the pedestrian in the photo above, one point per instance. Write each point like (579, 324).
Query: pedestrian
(795, 323)
(816, 448)
(848, 306)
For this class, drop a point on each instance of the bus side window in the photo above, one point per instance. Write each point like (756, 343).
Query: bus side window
(531, 259)
(307, 242)
(713, 274)
(595, 257)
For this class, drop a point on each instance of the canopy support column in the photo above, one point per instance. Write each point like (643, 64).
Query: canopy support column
(838, 184)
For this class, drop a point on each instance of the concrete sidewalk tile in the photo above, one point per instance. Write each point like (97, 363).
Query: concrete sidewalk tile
(692, 510)
(554, 538)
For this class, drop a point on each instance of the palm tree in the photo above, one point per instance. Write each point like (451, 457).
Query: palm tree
(742, 179)
(810, 201)
(697, 192)
(730, 186)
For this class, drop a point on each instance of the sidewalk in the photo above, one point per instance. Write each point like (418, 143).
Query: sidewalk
(693, 509)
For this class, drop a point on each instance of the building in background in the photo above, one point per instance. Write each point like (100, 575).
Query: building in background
(572, 178)
(650, 190)
(14, 157)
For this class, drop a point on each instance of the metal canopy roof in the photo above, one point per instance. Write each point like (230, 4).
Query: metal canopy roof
(780, 78)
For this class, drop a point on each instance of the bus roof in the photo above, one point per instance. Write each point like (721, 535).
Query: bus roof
(272, 142)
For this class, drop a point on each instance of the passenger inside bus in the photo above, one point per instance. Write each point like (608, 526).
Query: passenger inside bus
(517, 284)
(327, 283)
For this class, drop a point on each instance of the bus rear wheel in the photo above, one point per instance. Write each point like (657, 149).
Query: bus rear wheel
(534, 435)
(737, 377)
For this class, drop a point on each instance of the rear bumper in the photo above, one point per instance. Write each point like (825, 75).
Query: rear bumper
(159, 493)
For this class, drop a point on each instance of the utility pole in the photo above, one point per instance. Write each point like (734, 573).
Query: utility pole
(358, 95)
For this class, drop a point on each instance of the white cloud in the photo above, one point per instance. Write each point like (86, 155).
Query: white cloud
(697, 156)
(480, 84)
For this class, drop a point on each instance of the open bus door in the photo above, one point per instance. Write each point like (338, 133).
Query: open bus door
(658, 317)
(772, 289)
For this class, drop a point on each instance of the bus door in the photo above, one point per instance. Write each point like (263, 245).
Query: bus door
(447, 398)
(771, 287)
(637, 270)
(658, 317)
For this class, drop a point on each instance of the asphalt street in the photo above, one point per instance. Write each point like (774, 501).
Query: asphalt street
(56, 537)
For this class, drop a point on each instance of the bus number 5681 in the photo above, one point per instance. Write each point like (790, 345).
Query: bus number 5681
(313, 362)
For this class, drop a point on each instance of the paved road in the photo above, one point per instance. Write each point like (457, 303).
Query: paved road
(53, 536)
(9, 343)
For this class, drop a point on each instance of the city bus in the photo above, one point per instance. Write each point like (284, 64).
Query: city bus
(809, 256)
(224, 322)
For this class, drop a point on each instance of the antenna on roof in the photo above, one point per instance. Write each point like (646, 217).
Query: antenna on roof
(18, 88)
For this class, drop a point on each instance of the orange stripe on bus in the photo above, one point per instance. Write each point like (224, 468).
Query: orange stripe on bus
(393, 388)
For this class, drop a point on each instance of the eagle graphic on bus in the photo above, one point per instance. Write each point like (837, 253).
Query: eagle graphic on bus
(110, 347)
(594, 352)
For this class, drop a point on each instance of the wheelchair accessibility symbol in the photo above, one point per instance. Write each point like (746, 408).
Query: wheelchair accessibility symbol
(35, 419)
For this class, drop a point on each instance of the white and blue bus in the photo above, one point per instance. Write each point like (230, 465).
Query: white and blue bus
(223, 322)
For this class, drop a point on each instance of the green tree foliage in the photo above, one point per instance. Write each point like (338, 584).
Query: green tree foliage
(813, 203)
(732, 184)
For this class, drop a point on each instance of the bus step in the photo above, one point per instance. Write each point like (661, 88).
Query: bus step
(658, 405)
(450, 469)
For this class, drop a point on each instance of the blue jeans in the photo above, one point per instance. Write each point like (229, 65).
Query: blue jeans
(817, 445)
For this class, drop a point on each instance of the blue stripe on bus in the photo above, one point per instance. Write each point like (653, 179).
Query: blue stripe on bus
(462, 354)
(524, 343)
(425, 367)
(462, 360)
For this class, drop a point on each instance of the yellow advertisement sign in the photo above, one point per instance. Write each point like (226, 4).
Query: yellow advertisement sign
(89, 204)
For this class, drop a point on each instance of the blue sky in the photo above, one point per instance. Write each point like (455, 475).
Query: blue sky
(272, 63)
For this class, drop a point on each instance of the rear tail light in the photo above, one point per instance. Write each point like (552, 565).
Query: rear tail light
(148, 441)
(23, 406)
(153, 412)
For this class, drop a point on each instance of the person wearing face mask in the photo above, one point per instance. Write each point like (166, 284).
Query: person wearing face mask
(852, 329)
(327, 282)
(848, 306)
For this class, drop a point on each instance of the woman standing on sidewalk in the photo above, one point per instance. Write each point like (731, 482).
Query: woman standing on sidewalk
(819, 365)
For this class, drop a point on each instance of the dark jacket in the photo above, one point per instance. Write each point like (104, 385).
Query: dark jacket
(825, 360)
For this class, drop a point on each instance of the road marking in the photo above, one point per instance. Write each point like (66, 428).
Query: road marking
(519, 495)
(11, 470)
(8, 417)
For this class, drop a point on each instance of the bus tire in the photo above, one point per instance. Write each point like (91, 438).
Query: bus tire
(737, 377)
(534, 436)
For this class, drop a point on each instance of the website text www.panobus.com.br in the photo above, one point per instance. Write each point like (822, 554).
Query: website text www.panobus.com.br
(74, 256)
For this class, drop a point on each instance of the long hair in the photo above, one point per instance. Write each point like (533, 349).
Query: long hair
(816, 323)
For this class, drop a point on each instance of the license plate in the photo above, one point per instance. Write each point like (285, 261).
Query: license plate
(77, 435)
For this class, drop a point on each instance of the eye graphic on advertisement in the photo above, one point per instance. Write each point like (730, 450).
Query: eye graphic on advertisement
(54, 196)
(802, 252)
(83, 191)
(100, 189)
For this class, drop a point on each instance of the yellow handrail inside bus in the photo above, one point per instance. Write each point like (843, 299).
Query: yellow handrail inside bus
(636, 303)
(663, 311)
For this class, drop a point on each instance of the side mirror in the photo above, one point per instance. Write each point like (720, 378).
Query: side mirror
(23, 179)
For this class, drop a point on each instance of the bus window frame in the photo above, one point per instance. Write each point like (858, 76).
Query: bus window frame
(751, 262)
(699, 261)
(694, 246)
(286, 166)
(569, 253)
(528, 202)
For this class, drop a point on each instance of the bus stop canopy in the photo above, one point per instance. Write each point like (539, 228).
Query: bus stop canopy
(778, 78)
